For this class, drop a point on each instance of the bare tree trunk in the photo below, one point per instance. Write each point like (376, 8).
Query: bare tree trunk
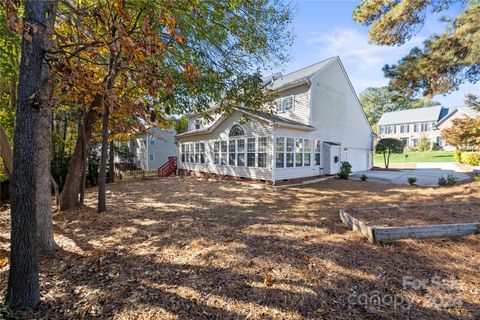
(23, 284)
(111, 164)
(45, 239)
(102, 186)
(71, 188)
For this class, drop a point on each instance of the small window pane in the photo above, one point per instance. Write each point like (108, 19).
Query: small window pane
(262, 144)
(251, 159)
(241, 145)
(280, 161)
(280, 144)
(240, 159)
(279, 105)
(288, 103)
(262, 160)
(290, 160)
(298, 152)
(216, 146)
(251, 144)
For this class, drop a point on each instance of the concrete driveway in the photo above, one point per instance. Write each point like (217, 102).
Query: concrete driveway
(427, 174)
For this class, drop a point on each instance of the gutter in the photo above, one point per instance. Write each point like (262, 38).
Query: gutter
(293, 126)
(293, 84)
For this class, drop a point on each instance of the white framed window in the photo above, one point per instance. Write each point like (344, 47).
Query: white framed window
(183, 152)
(318, 150)
(298, 152)
(192, 153)
(262, 152)
(307, 153)
(151, 157)
(251, 152)
(231, 152)
(287, 103)
(280, 152)
(198, 124)
(152, 140)
(197, 152)
(284, 104)
(279, 106)
(241, 152)
(224, 154)
(202, 152)
(216, 152)
(290, 152)
(236, 131)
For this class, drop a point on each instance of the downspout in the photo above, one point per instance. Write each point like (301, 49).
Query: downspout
(274, 145)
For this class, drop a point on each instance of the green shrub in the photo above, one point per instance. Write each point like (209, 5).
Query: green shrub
(345, 170)
(412, 180)
(423, 144)
(363, 177)
(450, 180)
(470, 158)
(477, 176)
(457, 154)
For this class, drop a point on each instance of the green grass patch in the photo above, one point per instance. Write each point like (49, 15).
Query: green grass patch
(417, 156)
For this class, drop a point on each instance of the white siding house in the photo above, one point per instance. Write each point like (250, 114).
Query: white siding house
(318, 122)
(150, 151)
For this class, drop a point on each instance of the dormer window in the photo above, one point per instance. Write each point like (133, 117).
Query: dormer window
(284, 104)
(198, 124)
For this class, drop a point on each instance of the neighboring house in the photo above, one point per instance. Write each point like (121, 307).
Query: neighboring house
(150, 151)
(413, 124)
(318, 122)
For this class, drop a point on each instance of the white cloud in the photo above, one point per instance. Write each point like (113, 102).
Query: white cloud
(363, 61)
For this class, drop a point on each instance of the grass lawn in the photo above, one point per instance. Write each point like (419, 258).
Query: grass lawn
(416, 156)
(191, 248)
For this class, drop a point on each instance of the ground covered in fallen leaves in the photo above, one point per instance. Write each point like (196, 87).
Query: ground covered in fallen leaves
(190, 248)
(395, 216)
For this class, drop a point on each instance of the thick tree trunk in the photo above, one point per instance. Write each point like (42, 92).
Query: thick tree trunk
(111, 163)
(71, 188)
(23, 285)
(45, 240)
(102, 185)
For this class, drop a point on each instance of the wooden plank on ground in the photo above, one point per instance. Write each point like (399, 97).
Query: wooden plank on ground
(357, 225)
(386, 234)
(428, 231)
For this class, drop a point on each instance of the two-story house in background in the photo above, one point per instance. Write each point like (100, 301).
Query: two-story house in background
(151, 150)
(413, 124)
(318, 122)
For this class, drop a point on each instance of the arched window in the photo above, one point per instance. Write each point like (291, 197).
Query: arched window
(236, 131)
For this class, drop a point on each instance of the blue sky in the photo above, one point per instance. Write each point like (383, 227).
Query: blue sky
(325, 28)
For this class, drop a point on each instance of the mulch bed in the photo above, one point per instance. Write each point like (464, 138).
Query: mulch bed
(419, 215)
(189, 248)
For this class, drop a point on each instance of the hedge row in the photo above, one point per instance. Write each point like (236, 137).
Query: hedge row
(468, 158)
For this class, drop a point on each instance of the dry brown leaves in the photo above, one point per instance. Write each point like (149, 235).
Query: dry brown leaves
(185, 248)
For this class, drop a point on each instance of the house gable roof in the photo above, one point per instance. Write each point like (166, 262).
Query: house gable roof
(465, 110)
(413, 115)
(279, 81)
(272, 119)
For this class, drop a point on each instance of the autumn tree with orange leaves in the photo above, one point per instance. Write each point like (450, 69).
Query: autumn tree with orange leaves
(122, 66)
